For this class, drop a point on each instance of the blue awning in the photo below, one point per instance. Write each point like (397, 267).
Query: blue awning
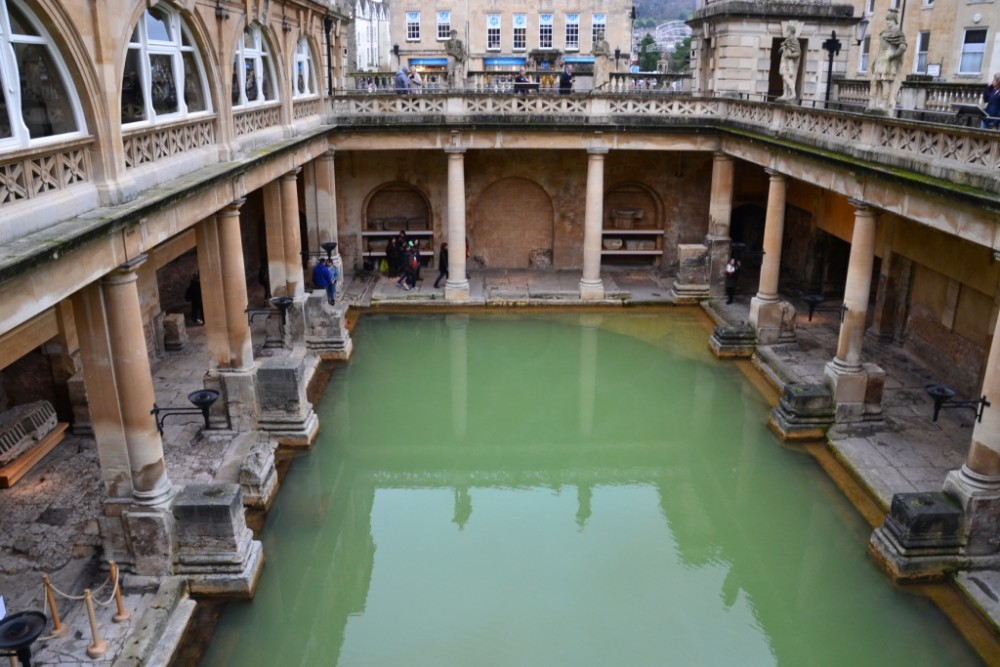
(429, 61)
(503, 61)
(578, 59)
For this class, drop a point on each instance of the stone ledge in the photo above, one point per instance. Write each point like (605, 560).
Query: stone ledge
(161, 627)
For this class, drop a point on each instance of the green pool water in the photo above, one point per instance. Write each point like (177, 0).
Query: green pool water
(563, 489)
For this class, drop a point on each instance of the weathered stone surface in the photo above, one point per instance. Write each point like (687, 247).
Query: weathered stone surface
(805, 412)
(326, 332)
(160, 628)
(175, 335)
(210, 522)
(733, 341)
(151, 539)
(258, 476)
(284, 410)
(692, 273)
(925, 520)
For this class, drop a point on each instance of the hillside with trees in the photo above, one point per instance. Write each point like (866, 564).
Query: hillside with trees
(661, 11)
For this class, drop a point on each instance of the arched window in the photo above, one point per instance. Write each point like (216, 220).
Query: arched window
(303, 74)
(37, 99)
(253, 71)
(161, 64)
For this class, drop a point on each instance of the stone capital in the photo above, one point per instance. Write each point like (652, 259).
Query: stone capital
(774, 174)
(455, 152)
(291, 174)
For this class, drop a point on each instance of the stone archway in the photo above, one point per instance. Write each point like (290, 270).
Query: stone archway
(512, 225)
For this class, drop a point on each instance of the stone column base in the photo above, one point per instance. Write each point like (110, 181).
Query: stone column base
(591, 289)
(920, 538)
(773, 320)
(733, 341)
(857, 394)
(249, 461)
(456, 291)
(805, 412)
(325, 331)
(978, 496)
(216, 549)
(719, 249)
(285, 412)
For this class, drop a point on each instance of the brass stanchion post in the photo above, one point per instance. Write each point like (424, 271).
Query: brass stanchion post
(122, 614)
(98, 646)
(58, 629)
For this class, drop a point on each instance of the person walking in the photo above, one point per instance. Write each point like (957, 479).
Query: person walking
(403, 81)
(442, 264)
(732, 278)
(991, 96)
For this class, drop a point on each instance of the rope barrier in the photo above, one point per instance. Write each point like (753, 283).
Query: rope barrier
(98, 646)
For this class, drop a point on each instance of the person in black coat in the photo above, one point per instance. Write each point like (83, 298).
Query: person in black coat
(566, 80)
(442, 264)
(193, 294)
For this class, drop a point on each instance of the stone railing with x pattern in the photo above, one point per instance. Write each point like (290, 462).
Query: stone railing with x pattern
(965, 156)
(31, 174)
(161, 141)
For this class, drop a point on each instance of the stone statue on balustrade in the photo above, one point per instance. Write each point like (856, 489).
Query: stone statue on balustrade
(885, 69)
(791, 53)
(602, 62)
(456, 61)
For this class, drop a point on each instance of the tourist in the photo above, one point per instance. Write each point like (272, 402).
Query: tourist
(322, 278)
(193, 295)
(331, 290)
(732, 278)
(402, 81)
(991, 96)
(442, 264)
(566, 80)
(521, 81)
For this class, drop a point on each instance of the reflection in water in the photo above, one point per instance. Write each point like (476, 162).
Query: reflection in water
(630, 508)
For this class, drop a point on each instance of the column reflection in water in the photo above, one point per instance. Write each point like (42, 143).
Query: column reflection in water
(589, 325)
(459, 364)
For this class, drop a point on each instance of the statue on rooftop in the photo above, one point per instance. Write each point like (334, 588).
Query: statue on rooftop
(456, 60)
(885, 68)
(602, 62)
(791, 52)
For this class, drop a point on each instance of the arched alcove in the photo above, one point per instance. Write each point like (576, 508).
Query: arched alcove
(629, 209)
(511, 226)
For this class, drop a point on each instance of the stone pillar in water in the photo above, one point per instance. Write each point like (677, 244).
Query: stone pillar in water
(720, 209)
(457, 286)
(591, 286)
(766, 311)
(857, 387)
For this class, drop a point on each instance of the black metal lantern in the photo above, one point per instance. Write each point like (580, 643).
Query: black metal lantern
(202, 400)
(18, 632)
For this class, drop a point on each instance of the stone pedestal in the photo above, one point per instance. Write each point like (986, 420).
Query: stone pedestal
(215, 548)
(692, 273)
(857, 393)
(805, 412)
(733, 341)
(175, 335)
(920, 538)
(773, 320)
(979, 498)
(719, 250)
(141, 539)
(326, 332)
(258, 477)
(284, 411)
(237, 407)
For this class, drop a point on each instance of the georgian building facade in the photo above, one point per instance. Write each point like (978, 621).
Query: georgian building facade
(502, 37)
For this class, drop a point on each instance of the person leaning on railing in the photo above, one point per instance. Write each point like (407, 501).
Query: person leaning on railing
(992, 98)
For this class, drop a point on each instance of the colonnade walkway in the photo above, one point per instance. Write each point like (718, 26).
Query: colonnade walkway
(49, 519)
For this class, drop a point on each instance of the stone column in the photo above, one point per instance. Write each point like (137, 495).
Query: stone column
(855, 384)
(977, 484)
(857, 289)
(720, 209)
(765, 308)
(212, 293)
(134, 384)
(275, 238)
(591, 286)
(234, 287)
(457, 286)
(326, 210)
(102, 395)
(294, 280)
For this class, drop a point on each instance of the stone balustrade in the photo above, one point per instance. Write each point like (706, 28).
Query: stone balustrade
(956, 155)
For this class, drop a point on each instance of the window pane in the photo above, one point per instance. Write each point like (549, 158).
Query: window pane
(45, 105)
(133, 99)
(194, 91)
(248, 42)
(251, 81)
(236, 82)
(158, 25)
(4, 111)
(18, 23)
(265, 81)
(163, 86)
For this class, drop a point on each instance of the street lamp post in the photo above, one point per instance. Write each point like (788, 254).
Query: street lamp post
(395, 52)
(618, 55)
(832, 47)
